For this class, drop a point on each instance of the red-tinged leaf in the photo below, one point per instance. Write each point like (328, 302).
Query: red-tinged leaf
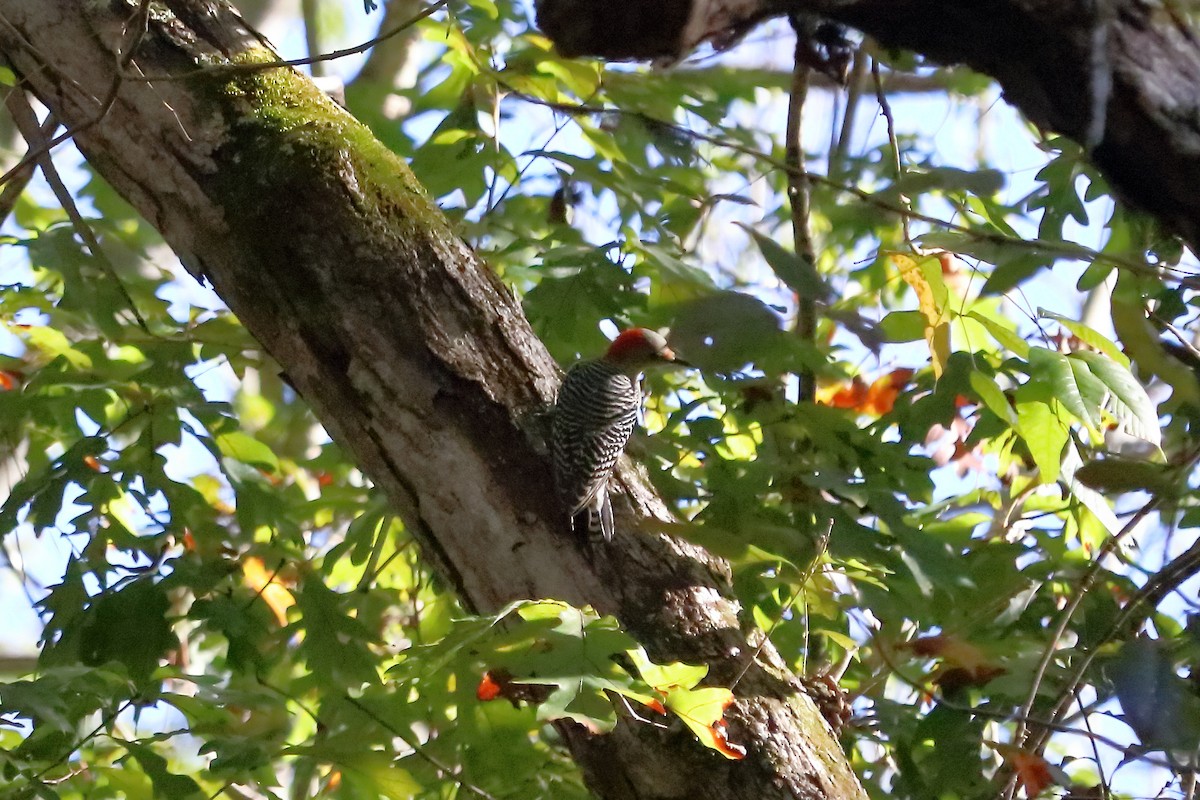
(92, 463)
(1033, 773)
(8, 380)
(731, 750)
(881, 397)
(843, 395)
(324, 479)
(656, 705)
(189, 541)
(874, 400)
(954, 651)
(702, 711)
(488, 689)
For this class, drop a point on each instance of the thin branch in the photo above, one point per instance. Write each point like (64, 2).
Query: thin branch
(310, 12)
(333, 55)
(1029, 721)
(837, 155)
(16, 186)
(822, 543)
(886, 109)
(417, 748)
(1069, 250)
(1123, 619)
(799, 192)
(1085, 584)
(124, 56)
(26, 121)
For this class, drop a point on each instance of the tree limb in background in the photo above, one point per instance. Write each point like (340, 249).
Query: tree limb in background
(1040, 53)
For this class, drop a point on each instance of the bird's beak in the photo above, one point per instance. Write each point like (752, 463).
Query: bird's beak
(669, 355)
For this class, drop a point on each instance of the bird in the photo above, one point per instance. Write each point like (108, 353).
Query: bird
(594, 414)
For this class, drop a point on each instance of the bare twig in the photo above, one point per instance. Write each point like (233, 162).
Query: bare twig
(885, 108)
(124, 57)
(838, 154)
(416, 747)
(799, 192)
(26, 121)
(16, 186)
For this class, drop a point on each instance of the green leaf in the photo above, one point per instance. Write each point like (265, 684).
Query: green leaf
(1088, 336)
(129, 626)
(248, 450)
(1135, 412)
(797, 272)
(1043, 429)
(166, 783)
(993, 397)
(702, 711)
(335, 644)
(378, 774)
(903, 326)
(1002, 333)
(1013, 271)
(1054, 370)
(1118, 475)
(1160, 706)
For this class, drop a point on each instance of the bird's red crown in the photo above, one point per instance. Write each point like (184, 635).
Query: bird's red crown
(639, 342)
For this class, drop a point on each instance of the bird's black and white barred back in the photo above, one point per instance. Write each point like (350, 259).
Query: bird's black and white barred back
(597, 409)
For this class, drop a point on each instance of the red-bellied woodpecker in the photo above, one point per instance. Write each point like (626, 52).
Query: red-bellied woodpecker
(596, 411)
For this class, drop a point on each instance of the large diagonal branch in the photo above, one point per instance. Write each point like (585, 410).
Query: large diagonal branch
(1122, 77)
(415, 357)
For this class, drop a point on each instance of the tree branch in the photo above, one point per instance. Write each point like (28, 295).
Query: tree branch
(1141, 118)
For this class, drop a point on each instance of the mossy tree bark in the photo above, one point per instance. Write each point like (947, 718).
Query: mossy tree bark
(416, 359)
(1121, 77)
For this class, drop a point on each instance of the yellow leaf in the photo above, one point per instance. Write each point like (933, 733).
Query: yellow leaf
(267, 585)
(925, 278)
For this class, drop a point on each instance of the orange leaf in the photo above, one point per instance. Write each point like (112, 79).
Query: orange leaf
(844, 396)
(91, 463)
(189, 541)
(950, 648)
(8, 380)
(1034, 774)
(721, 743)
(881, 397)
(267, 585)
(875, 400)
(655, 705)
(488, 689)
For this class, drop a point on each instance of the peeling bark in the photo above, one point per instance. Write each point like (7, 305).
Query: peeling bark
(1121, 77)
(415, 357)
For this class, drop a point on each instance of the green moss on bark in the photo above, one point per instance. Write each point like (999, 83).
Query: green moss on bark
(284, 132)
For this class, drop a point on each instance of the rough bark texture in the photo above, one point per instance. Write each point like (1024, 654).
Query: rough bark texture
(416, 359)
(1121, 77)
